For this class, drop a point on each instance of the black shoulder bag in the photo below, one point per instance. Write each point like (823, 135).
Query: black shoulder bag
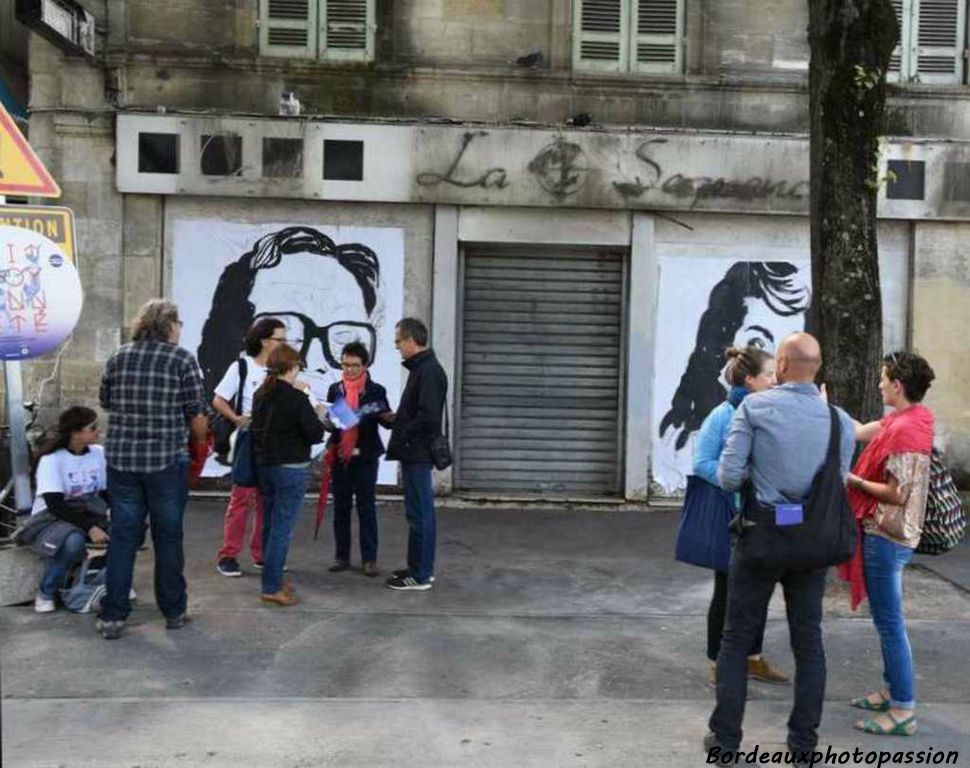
(440, 447)
(827, 532)
(221, 427)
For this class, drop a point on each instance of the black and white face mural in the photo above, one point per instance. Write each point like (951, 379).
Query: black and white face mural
(329, 285)
(707, 305)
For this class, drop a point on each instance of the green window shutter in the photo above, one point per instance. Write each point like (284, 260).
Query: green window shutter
(656, 36)
(288, 28)
(939, 40)
(896, 62)
(347, 30)
(601, 37)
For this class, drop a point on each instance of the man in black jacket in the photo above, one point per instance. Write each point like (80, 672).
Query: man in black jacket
(416, 424)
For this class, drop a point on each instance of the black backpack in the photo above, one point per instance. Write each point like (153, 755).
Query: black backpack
(828, 532)
(220, 427)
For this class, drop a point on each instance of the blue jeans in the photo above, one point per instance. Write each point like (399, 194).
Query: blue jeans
(357, 479)
(161, 497)
(419, 510)
(283, 489)
(70, 552)
(883, 562)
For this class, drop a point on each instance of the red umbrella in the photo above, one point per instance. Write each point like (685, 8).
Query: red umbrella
(329, 459)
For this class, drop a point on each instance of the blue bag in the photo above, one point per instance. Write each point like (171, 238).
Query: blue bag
(244, 460)
(703, 535)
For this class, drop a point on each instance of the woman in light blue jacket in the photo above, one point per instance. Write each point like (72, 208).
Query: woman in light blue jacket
(749, 369)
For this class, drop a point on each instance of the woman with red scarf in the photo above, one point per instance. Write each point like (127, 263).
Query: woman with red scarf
(887, 491)
(353, 456)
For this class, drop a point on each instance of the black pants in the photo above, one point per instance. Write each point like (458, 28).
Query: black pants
(355, 479)
(750, 589)
(715, 619)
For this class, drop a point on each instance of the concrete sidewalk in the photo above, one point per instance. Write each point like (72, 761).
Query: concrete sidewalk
(551, 638)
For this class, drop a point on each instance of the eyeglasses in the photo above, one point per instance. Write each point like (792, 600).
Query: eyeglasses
(301, 331)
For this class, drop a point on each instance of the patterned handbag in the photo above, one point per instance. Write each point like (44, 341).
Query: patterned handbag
(945, 522)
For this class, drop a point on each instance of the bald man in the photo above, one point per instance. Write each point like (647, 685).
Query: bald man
(779, 440)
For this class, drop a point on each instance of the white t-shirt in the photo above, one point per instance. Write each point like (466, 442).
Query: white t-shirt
(70, 474)
(229, 386)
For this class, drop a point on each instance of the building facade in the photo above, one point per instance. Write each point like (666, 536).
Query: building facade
(586, 200)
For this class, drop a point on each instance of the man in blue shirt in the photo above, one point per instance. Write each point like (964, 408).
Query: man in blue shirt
(778, 440)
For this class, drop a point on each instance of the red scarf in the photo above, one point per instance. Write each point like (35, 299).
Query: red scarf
(907, 431)
(353, 388)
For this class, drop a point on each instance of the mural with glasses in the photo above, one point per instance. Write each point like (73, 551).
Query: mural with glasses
(705, 306)
(329, 285)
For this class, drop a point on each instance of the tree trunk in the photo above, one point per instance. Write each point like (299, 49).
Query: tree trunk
(851, 43)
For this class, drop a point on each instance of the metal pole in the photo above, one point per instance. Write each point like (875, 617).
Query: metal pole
(17, 423)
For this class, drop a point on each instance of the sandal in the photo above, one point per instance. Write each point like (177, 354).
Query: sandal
(905, 727)
(864, 702)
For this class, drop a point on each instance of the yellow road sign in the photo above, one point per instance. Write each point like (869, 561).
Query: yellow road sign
(52, 221)
(21, 171)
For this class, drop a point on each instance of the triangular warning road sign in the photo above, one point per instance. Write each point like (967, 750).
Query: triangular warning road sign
(21, 171)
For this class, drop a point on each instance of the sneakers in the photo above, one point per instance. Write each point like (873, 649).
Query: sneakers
(370, 569)
(258, 566)
(109, 630)
(407, 583)
(338, 566)
(402, 573)
(281, 599)
(177, 622)
(228, 566)
(760, 669)
(43, 604)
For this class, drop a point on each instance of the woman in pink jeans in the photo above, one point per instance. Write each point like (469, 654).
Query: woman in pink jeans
(237, 388)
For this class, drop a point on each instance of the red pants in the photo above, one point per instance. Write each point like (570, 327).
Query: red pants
(234, 532)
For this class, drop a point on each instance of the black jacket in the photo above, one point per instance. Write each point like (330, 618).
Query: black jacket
(418, 419)
(284, 426)
(369, 442)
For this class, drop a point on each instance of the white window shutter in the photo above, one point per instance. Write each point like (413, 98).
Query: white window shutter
(896, 68)
(288, 28)
(601, 37)
(347, 30)
(656, 36)
(939, 40)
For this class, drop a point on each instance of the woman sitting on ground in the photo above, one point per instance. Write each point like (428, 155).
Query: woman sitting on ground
(887, 490)
(71, 505)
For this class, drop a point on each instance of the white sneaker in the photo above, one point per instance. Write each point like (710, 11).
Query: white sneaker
(132, 595)
(43, 605)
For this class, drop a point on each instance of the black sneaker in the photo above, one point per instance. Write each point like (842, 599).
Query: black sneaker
(177, 622)
(338, 566)
(407, 583)
(109, 630)
(258, 566)
(229, 567)
(713, 748)
(402, 573)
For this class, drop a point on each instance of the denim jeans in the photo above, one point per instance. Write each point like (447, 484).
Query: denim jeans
(715, 619)
(749, 590)
(70, 552)
(358, 478)
(883, 562)
(283, 489)
(161, 497)
(419, 510)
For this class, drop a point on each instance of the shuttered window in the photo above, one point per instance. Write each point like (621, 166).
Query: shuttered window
(341, 30)
(931, 41)
(629, 35)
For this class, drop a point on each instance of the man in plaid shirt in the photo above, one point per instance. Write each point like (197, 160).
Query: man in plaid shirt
(153, 392)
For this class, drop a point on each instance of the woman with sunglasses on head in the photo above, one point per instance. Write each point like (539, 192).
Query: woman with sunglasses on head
(353, 454)
(887, 490)
(71, 505)
(284, 428)
(238, 386)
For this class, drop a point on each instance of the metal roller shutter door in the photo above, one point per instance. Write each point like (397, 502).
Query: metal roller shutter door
(540, 370)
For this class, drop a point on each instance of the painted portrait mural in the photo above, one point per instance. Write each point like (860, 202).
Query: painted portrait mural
(329, 285)
(707, 305)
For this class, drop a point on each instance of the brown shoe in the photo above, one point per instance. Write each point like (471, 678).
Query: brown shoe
(282, 599)
(760, 669)
(289, 588)
(370, 569)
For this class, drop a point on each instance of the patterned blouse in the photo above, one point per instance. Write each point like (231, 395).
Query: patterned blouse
(903, 524)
